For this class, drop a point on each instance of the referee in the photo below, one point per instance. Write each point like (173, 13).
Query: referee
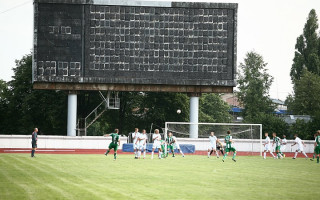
(34, 141)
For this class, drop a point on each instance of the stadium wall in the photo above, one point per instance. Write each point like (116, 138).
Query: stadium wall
(98, 142)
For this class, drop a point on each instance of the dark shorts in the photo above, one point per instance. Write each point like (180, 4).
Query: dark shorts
(317, 150)
(34, 144)
(113, 146)
(230, 149)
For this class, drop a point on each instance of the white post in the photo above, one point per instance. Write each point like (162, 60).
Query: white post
(72, 114)
(194, 116)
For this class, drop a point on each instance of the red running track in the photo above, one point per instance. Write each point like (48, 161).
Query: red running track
(102, 151)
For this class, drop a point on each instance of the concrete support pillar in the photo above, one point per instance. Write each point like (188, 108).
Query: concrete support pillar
(194, 115)
(72, 114)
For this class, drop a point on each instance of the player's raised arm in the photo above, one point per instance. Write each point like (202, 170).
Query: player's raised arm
(293, 144)
(106, 135)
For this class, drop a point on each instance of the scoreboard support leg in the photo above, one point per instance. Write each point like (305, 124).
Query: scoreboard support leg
(72, 114)
(194, 115)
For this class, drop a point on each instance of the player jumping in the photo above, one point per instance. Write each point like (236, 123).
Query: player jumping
(213, 145)
(229, 147)
(172, 144)
(156, 138)
(277, 141)
(115, 142)
(267, 146)
(300, 146)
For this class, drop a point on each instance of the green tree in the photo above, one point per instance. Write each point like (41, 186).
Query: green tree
(307, 52)
(28, 108)
(306, 99)
(213, 109)
(254, 84)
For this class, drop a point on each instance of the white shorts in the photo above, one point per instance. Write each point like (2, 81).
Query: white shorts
(300, 149)
(212, 146)
(156, 145)
(267, 148)
(142, 146)
(135, 146)
(176, 146)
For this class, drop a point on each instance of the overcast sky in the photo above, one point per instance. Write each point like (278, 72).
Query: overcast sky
(269, 27)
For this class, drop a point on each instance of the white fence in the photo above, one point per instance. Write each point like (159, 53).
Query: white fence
(99, 142)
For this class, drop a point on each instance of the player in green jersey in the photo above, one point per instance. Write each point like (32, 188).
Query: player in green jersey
(277, 141)
(115, 142)
(169, 142)
(229, 147)
(317, 148)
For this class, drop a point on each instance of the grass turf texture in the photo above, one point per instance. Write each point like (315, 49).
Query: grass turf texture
(52, 176)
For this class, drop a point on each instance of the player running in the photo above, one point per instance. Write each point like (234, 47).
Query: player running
(142, 147)
(283, 145)
(115, 142)
(277, 141)
(229, 147)
(267, 146)
(135, 136)
(213, 145)
(34, 141)
(317, 149)
(172, 144)
(300, 146)
(156, 138)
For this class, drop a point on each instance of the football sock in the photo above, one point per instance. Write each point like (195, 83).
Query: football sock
(32, 153)
(217, 154)
(208, 153)
(224, 156)
(211, 152)
(135, 154)
(295, 155)
(264, 155)
(160, 154)
(107, 152)
(317, 159)
(304, 154)
(314, 155)
(222, 153)
(115, 155)
(152, 154)
(181, 152)
(234, 155)
(144, 153)
(272, 154)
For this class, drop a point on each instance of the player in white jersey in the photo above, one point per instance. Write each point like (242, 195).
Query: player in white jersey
(135, 136)
(267, 146)
(156, 138)
(300, 143)
(283, 145)
(142, 144)
(213, 140)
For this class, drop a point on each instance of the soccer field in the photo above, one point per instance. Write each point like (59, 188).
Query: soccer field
(53, 176)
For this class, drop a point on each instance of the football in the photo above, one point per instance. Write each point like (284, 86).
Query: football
(178, 111)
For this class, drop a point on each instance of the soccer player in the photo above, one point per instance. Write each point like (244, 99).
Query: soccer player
(173, 144)
(135, 136)
(300, 143)
(315, 145)
(317, 149)
(115, 142)
(156, 138)
(219, 148)
(267, 146)
(34, 141)
(142, 147)
(277, 141)
(229, 147)
(213, 145)
(283, 145)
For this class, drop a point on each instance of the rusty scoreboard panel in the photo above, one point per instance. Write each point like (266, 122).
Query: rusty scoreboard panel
(134, 45)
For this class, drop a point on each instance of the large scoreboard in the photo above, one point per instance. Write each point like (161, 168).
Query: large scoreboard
(134, 45)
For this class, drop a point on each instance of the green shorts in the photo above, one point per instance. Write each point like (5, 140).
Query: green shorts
(170, 147)
(230, 149)
(317, 150)
(113, 146)
(277, 148)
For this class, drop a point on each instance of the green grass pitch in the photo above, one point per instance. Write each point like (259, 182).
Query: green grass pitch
(53, 176)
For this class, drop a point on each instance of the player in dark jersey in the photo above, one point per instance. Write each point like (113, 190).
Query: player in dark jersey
(115, 142)
(34, 141)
